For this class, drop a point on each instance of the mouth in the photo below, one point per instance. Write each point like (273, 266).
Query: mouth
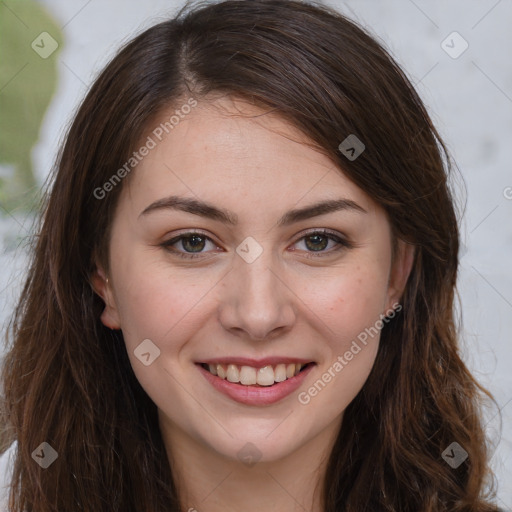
(253, 382)
(256, 376)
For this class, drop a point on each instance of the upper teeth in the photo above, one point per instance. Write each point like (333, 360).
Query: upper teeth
(249, 375)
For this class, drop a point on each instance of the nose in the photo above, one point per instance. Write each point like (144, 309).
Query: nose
(256, 301)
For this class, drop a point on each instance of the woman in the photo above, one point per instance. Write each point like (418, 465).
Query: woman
(242, 290)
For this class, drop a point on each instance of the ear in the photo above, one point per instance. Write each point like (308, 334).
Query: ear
(103, 287)
(400, 270)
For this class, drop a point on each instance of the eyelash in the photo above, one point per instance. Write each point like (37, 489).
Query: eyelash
(341, 244)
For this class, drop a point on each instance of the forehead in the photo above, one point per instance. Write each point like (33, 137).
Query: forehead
(231, 151)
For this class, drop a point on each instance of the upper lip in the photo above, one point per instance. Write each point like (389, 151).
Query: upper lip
(256, 363)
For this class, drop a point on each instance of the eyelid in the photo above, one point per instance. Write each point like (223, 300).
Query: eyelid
(321, 231)
(190, 232)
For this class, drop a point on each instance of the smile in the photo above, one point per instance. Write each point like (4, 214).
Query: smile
(250, 376)
(256, 383)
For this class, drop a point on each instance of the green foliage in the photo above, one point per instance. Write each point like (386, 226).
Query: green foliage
(27, 84)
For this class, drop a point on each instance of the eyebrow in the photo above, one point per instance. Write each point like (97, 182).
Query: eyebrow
(209, 211)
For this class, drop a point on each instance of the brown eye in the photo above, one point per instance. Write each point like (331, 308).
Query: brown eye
(193, 243)
(322, 243)
(189, 245)
(316, 242)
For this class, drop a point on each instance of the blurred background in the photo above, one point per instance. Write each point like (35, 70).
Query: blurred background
(456, 53)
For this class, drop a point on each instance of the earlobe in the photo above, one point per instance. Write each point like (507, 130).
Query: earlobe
(103, 288)
(400, 272)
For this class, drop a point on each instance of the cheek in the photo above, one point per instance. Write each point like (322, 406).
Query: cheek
(154, 304)
(165, 311)
(348, 309)
(159, 309)
(350, 301)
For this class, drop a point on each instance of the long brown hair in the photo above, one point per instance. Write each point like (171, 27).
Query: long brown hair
(67, 378)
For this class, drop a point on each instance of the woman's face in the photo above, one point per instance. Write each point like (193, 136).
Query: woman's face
(289, 264)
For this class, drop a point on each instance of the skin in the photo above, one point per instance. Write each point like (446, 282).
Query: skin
(283, 303)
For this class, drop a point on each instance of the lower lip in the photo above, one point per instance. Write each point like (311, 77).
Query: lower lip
(253, 395)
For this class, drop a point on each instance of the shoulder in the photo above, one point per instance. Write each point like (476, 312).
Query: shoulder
(6, 465)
